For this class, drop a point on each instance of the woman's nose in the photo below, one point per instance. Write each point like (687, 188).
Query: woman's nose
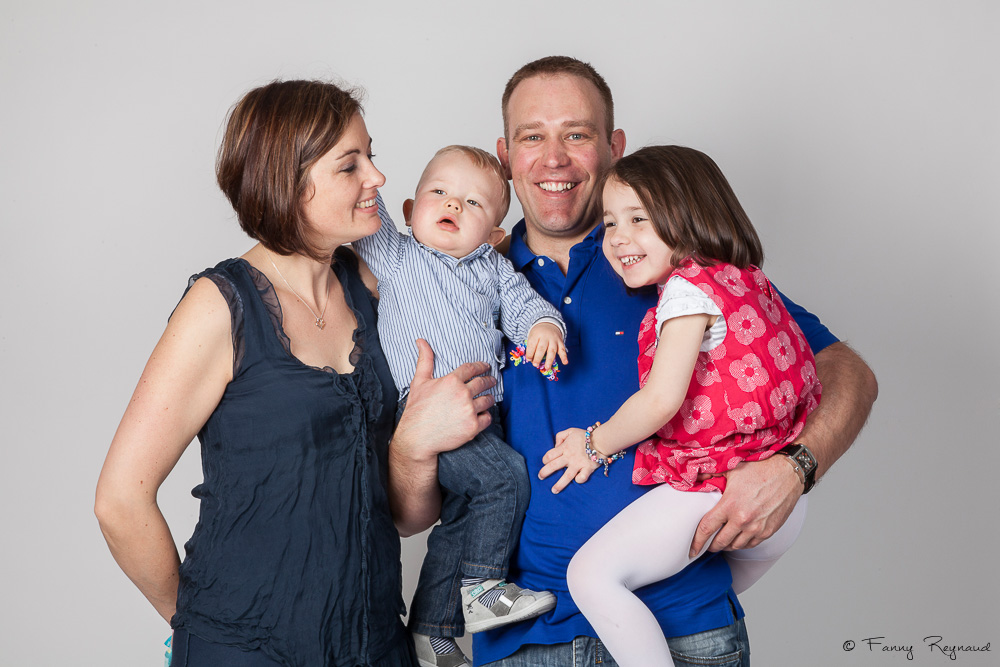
(376, 178)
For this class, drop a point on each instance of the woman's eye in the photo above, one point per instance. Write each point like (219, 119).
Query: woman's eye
(349, 168)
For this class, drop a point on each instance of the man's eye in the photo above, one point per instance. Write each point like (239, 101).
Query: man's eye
(472, 202)
(576, 136)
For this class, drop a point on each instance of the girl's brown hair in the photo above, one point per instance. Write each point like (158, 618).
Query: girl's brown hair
(274, 134)
(691, 205)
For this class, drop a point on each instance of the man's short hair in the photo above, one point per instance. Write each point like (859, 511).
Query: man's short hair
(555, 65)
(483, 160)
(274, 134)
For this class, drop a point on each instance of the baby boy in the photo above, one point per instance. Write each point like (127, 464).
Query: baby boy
(448, 285)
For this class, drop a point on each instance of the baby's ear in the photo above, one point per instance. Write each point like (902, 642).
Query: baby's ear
(497, 236)
(407, 211)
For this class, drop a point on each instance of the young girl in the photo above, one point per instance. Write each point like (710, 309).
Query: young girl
(725, 376)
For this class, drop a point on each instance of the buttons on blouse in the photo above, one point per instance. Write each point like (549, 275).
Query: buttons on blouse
(567, 301)
(541, 261)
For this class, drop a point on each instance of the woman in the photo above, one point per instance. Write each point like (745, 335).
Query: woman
(273, 360)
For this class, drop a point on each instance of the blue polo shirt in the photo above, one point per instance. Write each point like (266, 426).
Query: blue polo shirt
(602, 322)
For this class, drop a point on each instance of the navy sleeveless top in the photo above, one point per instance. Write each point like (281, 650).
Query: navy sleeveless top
(295, 552)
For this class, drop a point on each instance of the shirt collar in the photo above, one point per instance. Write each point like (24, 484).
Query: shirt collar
(520, 254)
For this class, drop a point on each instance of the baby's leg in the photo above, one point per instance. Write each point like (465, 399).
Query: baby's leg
(647, 541)
(749, 565)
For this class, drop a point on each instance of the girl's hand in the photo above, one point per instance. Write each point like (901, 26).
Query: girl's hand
(544, 344)
(570, 453)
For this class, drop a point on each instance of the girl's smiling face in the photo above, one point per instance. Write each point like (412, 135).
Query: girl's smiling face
(631, 244)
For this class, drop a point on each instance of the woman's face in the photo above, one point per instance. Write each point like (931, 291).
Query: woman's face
(339, 204)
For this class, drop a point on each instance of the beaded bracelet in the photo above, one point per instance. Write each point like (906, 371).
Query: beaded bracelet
(596, 456)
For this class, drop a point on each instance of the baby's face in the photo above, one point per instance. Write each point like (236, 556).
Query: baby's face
(456, 205)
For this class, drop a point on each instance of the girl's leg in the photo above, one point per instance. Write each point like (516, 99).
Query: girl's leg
(749, 565)
(648, 541)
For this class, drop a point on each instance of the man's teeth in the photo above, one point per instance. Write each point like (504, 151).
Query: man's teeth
(556, 187)
(365, 204)
(630, 259)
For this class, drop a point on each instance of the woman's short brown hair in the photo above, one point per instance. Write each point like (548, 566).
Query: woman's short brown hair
(691, 205)
(274, 134)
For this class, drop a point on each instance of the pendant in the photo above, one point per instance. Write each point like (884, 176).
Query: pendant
(320, 323)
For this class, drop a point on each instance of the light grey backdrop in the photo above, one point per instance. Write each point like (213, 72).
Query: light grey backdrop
(862, 138)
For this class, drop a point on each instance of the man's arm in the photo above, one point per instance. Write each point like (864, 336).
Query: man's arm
(760, 496)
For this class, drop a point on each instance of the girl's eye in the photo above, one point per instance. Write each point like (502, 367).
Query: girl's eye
(609, 223)
(472, 202)
(637, 219)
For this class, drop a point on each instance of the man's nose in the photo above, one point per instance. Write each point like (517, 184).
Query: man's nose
(555, 153)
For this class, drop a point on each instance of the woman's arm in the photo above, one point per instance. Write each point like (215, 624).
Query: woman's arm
(181, 385)
(644, 413)
(441, 414)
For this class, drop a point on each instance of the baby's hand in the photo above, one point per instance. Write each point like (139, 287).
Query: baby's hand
(545, 342)
(570, 453)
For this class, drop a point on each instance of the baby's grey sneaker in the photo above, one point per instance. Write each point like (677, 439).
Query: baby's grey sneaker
(495, 602)
(428, 657)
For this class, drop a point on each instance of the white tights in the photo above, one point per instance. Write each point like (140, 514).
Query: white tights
(648, 541)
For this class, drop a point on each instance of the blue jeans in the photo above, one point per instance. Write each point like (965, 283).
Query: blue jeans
(485, 492)
(722, 647)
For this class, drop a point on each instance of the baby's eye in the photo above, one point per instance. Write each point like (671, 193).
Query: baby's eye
(438, 191)
(472, 202)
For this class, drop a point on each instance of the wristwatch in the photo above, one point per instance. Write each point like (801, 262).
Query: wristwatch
(802, 460)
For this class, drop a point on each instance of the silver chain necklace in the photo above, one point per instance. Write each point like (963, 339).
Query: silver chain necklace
(320, 322)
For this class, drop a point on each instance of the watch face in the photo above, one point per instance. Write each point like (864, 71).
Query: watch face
(805, 459)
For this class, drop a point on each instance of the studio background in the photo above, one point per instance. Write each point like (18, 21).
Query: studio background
(863, 138)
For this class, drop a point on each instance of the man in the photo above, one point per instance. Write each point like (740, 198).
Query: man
(558, 136)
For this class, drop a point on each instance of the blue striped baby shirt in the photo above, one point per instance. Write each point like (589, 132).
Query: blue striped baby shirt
(463, 306)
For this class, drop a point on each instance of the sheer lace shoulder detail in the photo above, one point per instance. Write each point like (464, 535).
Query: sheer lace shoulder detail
(265, 290)
(362, 303)
(224, 282)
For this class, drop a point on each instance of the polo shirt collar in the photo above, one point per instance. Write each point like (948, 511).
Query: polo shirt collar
(520, 254)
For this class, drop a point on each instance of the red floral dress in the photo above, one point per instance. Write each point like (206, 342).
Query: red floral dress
(749, 395)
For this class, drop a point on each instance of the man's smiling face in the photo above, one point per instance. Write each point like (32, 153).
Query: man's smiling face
(556, 148)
